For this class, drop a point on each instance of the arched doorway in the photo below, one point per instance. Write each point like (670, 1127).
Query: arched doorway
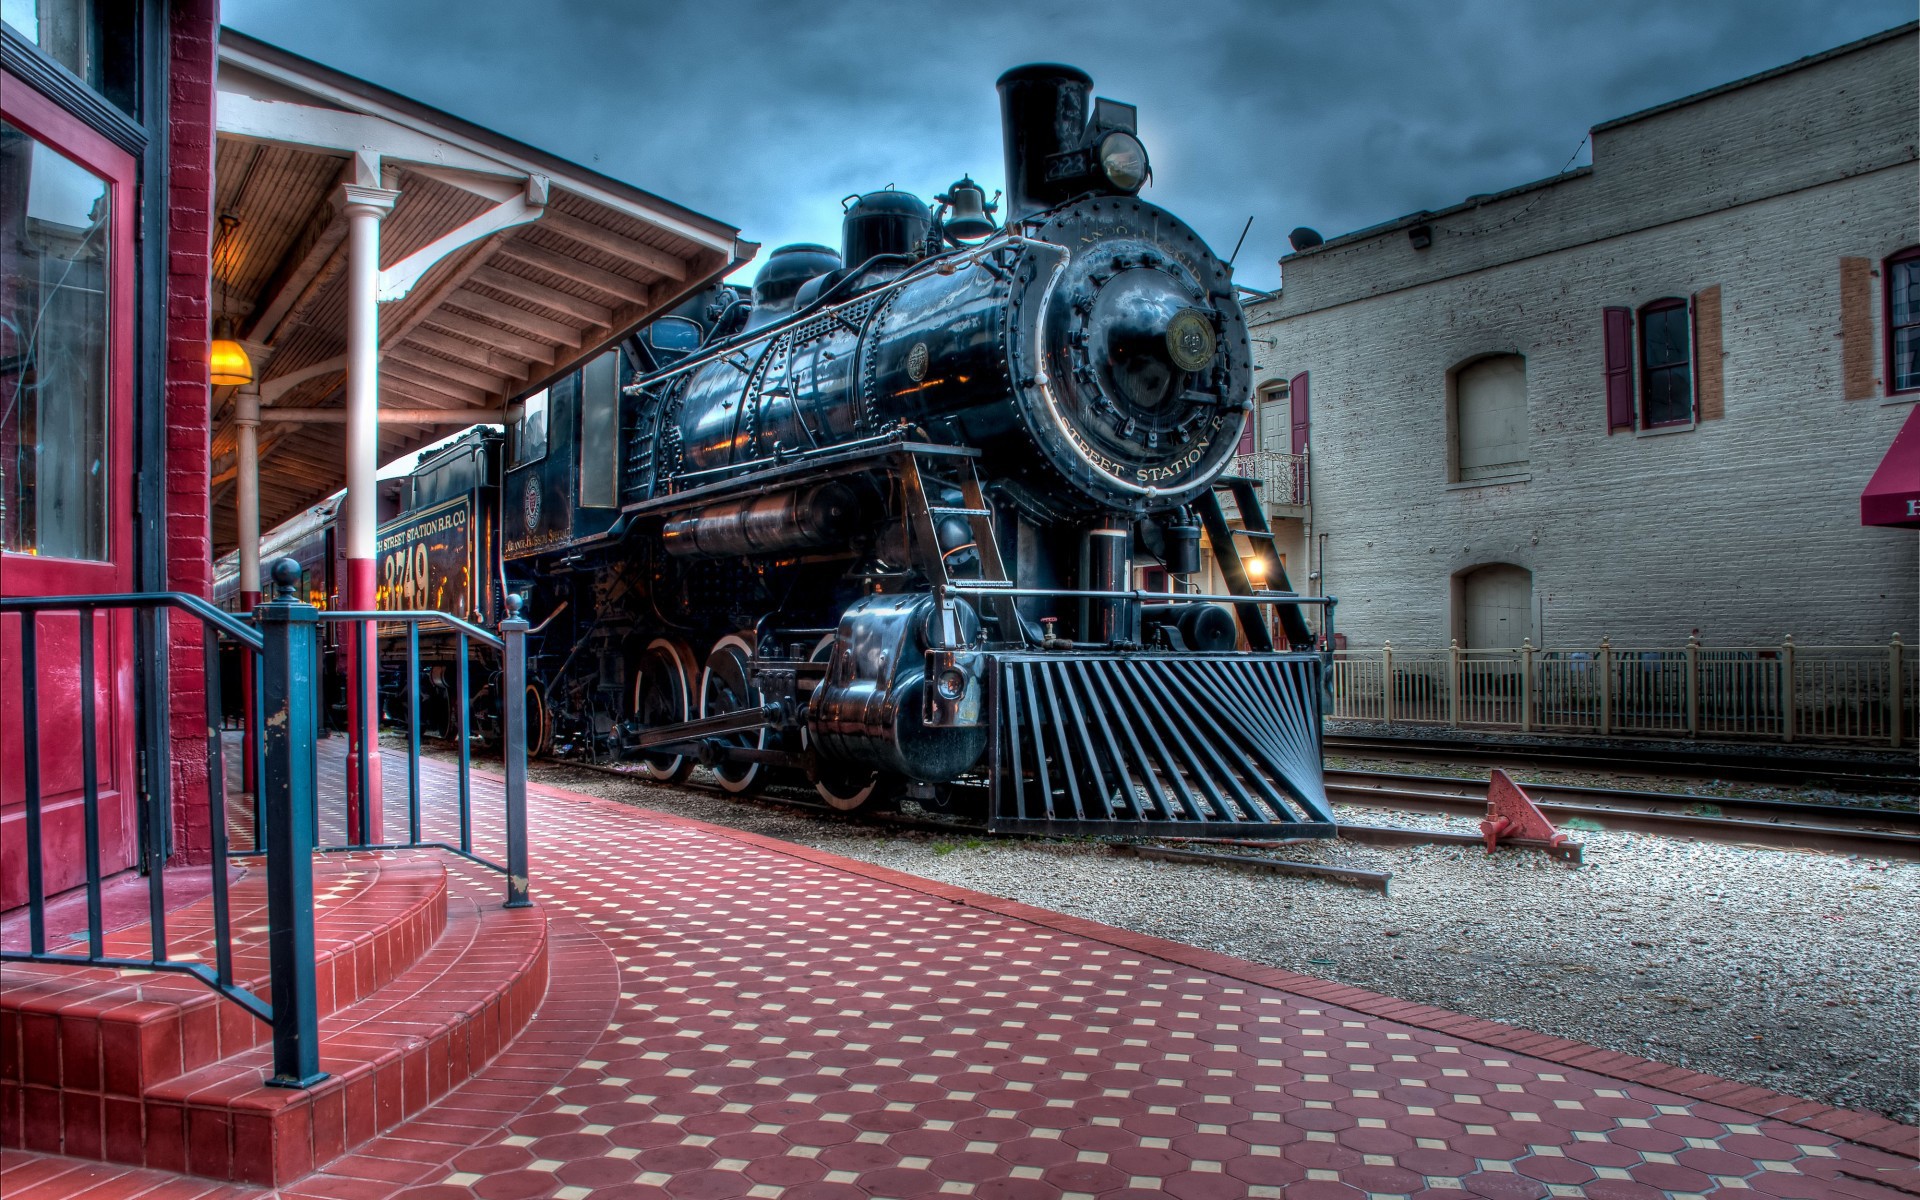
(1496, 607)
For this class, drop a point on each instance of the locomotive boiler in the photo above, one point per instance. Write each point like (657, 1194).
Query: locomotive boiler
(888, 522)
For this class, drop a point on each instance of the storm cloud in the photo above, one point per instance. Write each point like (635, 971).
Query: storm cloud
(1311, 112)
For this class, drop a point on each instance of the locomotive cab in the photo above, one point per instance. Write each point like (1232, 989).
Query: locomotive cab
(563, 468)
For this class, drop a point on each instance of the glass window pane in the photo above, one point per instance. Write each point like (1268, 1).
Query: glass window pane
(1905, 288)
(1906, 358)
(600, 432)
(95, 39)
(1669, 396)
(530, 431)
(53, 352)
(1664, 336)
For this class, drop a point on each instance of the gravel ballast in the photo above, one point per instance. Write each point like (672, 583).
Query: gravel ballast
(1795, 971)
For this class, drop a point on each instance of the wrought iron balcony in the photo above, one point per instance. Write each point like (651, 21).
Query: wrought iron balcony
(1283, 477)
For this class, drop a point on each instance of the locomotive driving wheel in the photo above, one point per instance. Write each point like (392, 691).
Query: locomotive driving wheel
(539, 723)
(726, 685)
(663, 695)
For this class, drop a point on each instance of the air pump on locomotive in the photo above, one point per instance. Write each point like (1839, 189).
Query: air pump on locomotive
(880, 524)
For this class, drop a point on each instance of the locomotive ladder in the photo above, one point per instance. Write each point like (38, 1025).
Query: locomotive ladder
(926, 517)
(1220, 535)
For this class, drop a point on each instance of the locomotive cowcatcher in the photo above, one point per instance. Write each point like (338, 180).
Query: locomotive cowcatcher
(881, 523)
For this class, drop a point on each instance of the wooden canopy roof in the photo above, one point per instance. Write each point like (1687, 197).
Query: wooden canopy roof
(502, 266)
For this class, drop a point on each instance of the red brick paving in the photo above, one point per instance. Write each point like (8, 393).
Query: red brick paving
(730, 1015)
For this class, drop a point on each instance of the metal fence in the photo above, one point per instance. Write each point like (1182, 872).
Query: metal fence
(278, 642)
(1784, 693)
(1283, 477)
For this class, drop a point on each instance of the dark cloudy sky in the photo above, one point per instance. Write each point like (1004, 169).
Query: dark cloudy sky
(1295, 112)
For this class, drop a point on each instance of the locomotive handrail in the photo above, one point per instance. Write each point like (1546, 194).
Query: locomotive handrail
(698, 358)
(786, 472)
(891, 439)
(1151, 599)
(224, 621)
(417, 617)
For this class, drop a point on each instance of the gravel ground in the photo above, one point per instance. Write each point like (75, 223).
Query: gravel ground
(1799, 972)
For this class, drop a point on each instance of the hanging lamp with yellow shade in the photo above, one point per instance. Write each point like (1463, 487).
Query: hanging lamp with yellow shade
(228, 358)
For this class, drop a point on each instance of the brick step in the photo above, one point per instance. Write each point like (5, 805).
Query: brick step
(388, 1057)
(121, 1033)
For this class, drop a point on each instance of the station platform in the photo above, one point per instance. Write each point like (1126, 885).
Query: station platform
(731, 1015)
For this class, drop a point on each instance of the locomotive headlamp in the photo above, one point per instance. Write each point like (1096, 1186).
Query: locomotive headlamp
(1123, 160)
(952, 684)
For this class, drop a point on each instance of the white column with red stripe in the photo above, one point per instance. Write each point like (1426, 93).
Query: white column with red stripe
(365, 205)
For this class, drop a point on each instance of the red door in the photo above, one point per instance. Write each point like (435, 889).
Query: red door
(66, 474)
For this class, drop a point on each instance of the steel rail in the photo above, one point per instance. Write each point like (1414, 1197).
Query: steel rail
(1754, 807)
(1880, 832)
(1727, 764)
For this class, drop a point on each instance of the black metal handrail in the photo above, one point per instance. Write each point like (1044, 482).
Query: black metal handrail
(234, 627)
(281, 639)
(511, 644)
(156, 799)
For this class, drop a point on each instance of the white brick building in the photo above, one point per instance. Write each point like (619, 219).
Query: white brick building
(1511, 436)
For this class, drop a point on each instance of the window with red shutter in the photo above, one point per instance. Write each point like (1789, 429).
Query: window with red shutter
(1617, 327)
(1666, 364)
(1249, 432)
(1903, 321)
(1297, 392)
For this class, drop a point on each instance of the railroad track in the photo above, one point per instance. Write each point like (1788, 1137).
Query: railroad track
(1834, 828)
(1893, 833)
(1840, 775)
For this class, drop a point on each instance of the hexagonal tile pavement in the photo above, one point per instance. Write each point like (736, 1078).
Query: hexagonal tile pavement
(731, 1016)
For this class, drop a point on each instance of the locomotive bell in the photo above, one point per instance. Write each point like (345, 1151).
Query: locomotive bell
(968, 217)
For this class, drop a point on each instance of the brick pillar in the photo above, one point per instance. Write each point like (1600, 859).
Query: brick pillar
(190, 141)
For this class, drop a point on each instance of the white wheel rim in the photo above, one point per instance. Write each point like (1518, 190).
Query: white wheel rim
(745, 654)
(847, 801)
(677, 656)
(838, 801)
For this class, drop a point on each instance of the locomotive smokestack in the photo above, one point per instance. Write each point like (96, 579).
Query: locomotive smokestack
(1043, 111)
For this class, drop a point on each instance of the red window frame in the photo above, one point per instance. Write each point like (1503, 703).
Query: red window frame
(1642, 371)
(41, 575)
(44, 575)
(1910, 255)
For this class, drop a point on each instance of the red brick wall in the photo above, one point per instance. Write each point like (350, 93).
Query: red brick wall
(190, 137)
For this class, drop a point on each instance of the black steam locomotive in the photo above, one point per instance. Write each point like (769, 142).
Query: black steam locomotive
(879, 523)
(882, 523)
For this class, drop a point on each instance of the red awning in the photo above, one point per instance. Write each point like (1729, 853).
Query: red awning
(1893, 494)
